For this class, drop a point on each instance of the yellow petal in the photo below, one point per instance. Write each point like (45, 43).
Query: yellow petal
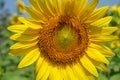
(96, 55)
(24, 37)
(93, 30)
(54, 7)
(55, 74)
(103, 49)
(91, 78)
(22, 29)
(77, 4)
(21, 6)
(108, 30)
(109, 51)
(36, 7)
(64, 5)
(49, 7)
(97, 14)
(29, 24)
(64, 74)
(23, 45)
(70, 73)
(103, 38)
(102, 22)
(34, 4)
(17, 28)
(58, 5)
(88, 65)
(100, 66)
(88, 10)
(47, 73)
(21, 52)
(42, 70)
(30, 58)
(38, 63)
(69, 7)
(80, 7)
(14, 19)
(34, 14)
(43, 8)
(80, 72)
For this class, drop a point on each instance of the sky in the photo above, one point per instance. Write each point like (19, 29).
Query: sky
(11, 4)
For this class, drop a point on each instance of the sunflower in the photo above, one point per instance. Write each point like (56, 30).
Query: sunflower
(115, 12)
(65, 39)
(116, 8)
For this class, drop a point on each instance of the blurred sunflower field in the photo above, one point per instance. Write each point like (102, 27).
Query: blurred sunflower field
(8, 64)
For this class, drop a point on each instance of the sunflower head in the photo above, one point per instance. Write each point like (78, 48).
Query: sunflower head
(116, 8)
(115, 12)
(63, 41)
(64, 36)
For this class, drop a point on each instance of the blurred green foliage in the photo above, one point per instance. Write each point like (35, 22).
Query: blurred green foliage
(114, 67)
(8, 64)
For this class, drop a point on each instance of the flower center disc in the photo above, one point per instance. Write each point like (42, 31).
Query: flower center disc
(63, 41)
(66, 38)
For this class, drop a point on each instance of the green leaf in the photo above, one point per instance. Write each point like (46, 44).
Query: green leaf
(117, 51)
(102, 76)
(115, 77)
